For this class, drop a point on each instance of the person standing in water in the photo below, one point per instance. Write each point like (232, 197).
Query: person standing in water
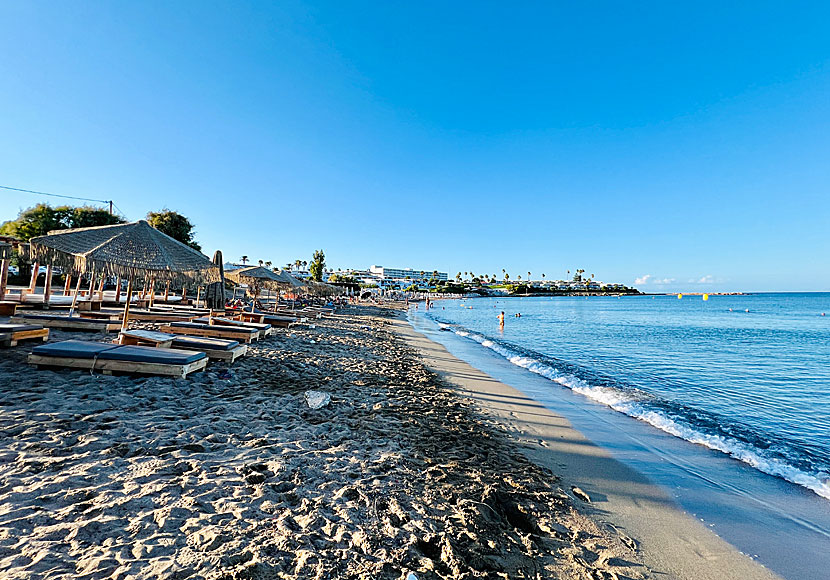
(501, 320)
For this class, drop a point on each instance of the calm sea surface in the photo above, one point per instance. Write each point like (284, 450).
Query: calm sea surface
(745, 375)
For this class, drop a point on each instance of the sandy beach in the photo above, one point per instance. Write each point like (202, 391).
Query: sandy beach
(419, 464)
(210, 477)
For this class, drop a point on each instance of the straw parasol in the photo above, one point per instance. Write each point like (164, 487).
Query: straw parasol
(258, 278)
(290, 280)
(124, 250)
(5, 251)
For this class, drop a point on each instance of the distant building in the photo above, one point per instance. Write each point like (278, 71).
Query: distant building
(403, 274)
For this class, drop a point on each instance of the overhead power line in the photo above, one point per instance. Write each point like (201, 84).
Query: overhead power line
(109, 201)
(54, 194)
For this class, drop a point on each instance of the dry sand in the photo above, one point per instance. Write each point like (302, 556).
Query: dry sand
(671, 543)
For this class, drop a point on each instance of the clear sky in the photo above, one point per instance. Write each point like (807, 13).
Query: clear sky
(683, 145)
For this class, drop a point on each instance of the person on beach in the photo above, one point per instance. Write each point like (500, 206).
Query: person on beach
(501, 320)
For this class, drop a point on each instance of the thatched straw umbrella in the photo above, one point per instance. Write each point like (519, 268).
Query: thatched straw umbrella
(126, 250)
(258, 278)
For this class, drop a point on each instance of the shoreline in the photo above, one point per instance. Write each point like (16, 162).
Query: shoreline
(671, 542)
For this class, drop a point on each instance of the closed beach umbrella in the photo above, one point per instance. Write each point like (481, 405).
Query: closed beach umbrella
(5, 257)
(215, 293)
(125, 250)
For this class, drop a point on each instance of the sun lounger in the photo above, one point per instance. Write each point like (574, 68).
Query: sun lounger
(146, 338)
(67, 323)
(250, 317)
(7, 308)
(264, 329)
(151, 316)
(109, 358)
(102, 315)
(279, 321)
(215, 348)
(240, 334)
(11, 334)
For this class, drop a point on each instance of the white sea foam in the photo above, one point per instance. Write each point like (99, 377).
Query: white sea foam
(624, 403)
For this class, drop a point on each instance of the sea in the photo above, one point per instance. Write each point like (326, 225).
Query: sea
(743, 381)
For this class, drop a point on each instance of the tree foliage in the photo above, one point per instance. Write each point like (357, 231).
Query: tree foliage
(318, 265)
(174, 225)
(43, 218)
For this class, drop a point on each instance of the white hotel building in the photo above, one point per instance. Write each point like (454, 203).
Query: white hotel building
(404, 274)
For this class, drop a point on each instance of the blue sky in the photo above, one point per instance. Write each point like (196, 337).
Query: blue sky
(684, 146)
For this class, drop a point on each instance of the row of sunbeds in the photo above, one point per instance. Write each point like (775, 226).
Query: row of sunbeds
(180, 348)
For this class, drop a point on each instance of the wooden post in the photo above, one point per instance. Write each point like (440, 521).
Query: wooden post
(47, 285)
(167, 291)
(124, 322)
(152, 291)
(101, 289)
(91, 286)
(198, 294)
(75, 298)
(35, 272)
(184, 294)
(4, 278)
(118, 289)
(67, 285)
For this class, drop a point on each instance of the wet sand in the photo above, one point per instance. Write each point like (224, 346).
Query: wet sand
(229, 473)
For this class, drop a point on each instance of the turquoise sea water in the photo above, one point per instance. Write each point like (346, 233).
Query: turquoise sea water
(748, 376)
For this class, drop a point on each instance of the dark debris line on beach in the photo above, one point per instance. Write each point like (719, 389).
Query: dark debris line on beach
(238, 478)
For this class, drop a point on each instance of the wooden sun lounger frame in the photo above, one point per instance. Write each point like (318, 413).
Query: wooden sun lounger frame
(227, 356)
(224, 321)
(108, 367)
(70, 323)
(12, 337)
(214, 331)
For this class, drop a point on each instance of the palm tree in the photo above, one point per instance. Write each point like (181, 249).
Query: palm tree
(298, 263)
(305, 264)
(506, 275)
(244, 260)
(519, 277)
(528, 276)
(261, 263)
(543, 275)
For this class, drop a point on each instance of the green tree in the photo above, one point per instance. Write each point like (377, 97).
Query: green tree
(318, 264)
(174, 225)
(244, 260)
(41, 219)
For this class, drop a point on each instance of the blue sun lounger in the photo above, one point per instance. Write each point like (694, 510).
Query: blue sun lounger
(110, 357)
